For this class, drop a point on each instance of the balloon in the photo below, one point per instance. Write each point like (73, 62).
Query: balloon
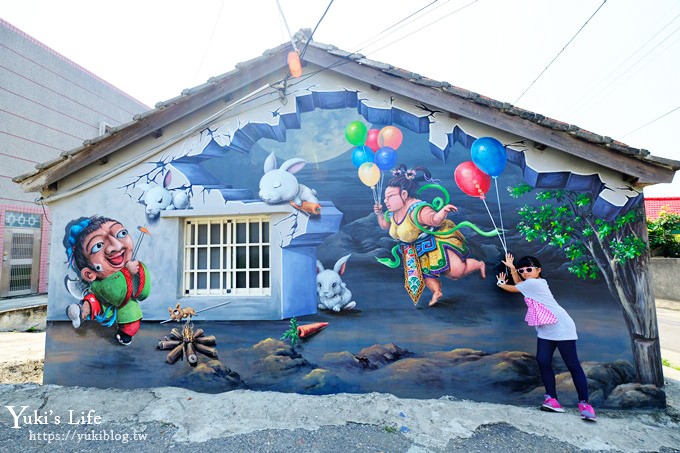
(369, 174)
(390, 136)
(489, 155)
(372, 139)
(356, 133)
(294, 65)
(472, 180)
(361, 154)
(385, 158)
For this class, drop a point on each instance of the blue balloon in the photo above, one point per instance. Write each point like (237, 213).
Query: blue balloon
(489, 155)
(361, 155)
(385, 158)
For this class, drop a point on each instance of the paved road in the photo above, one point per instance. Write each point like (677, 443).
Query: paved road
(669, 331)
(22, 302)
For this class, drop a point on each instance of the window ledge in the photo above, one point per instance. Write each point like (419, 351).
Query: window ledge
(232, 208)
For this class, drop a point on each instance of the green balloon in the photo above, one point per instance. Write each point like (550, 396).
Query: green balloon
(356, 133)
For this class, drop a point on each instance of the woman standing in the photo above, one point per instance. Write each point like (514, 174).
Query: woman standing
(555, 330)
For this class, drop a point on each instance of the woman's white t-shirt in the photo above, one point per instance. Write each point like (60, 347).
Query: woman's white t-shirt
(564, 328)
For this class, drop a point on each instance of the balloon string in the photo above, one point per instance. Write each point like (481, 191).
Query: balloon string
(375, 196)
(500, 213)
(500, 238)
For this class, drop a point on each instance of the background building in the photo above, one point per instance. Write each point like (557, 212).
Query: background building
(49, 105)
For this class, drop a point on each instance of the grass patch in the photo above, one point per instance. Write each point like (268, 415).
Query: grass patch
(665, 362)
(390, 429)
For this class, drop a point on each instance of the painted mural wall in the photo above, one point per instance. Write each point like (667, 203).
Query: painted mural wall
(265, 220)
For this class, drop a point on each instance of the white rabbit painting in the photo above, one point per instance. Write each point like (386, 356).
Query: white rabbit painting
(157, 198)
(279, 185)
(331, 290)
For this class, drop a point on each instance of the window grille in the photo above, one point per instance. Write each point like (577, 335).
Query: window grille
(20, 274)
(227, 256)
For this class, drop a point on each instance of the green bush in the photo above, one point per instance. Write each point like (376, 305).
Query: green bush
(664, 234)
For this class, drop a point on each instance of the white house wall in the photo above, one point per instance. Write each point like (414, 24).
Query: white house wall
(109, 189)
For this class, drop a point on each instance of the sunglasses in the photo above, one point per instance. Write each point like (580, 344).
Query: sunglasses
(523, 270)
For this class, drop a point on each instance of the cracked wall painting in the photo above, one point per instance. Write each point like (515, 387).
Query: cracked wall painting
(265, 263)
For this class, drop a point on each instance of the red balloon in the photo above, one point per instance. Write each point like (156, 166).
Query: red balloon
(472, 180)
(372, 139)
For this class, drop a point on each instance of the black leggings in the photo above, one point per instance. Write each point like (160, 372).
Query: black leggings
(544, 354)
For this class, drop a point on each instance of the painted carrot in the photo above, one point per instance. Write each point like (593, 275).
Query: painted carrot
(308, 207)
(310, 329)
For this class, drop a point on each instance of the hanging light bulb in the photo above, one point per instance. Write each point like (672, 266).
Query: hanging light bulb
(294, 64)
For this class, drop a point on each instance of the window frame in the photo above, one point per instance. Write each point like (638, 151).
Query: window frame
(234, 249)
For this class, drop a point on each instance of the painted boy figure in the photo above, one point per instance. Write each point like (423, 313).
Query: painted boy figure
(101, 250)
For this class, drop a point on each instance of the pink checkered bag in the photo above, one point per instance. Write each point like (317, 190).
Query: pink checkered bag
(538, 314)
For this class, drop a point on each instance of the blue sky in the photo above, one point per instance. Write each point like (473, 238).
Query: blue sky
(617, 75)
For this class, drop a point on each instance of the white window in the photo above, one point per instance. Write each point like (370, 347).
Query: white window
(227, 256)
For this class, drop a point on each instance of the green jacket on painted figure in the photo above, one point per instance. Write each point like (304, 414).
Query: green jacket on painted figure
(112, 291)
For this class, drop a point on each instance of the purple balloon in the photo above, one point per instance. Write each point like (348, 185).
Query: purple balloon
(385, 158)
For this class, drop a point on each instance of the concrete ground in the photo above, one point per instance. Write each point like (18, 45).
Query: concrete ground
(164, 419)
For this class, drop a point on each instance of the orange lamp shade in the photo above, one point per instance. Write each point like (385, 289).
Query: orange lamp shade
(294, 64)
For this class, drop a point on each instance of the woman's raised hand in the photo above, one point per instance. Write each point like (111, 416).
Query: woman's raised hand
(509, 260)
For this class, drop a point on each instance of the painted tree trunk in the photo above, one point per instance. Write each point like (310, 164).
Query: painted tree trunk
(630, 283)
(639, 313)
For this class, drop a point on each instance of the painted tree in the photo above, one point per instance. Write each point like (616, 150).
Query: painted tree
(615, 250)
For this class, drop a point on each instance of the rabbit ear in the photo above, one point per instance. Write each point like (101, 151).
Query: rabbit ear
(341, 264)
(270, 163)
(167, 179)
(319, 267)
(293, 165)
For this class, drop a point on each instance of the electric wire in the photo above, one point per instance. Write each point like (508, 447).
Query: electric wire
(304, 49)
(559, 53)
(285, 22)
(372, 40)
(587, 93)
(595, 96)
(653, 121)
(424, 27)
(344, 60)
(592, 99)
(210, 40)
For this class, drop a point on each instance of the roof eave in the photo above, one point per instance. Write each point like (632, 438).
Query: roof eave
(165, 113)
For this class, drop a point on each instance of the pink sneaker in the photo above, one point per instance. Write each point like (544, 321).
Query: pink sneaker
(551, 405)
(587, 411)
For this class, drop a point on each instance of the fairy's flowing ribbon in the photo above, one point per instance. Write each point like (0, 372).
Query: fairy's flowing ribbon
(391, 263)
(437, 204)
(395, 261)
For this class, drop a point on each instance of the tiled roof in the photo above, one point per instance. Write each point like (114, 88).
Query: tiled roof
(654, 205)
(147, 121)
(504, 107)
